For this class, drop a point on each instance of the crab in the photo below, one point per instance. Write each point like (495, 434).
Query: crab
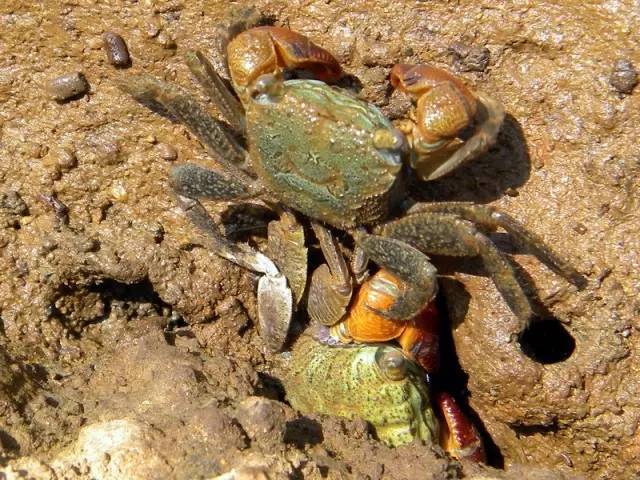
(419, 342)
(313, 150)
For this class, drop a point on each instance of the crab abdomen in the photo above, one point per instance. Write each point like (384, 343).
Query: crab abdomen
(315, 148)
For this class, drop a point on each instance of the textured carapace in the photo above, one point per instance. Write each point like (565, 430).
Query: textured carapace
(373, 382)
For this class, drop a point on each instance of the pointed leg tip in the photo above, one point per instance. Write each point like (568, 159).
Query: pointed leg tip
(275, 310)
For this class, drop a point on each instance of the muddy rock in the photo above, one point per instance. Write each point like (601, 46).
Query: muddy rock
(262, 418)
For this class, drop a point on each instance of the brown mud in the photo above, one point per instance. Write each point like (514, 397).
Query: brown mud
(129, 351)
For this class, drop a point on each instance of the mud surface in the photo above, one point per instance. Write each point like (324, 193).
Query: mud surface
(127, 350)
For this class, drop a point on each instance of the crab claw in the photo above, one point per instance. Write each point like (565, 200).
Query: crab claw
(421, 339)
(460, 438)
(264, 50)
(418, 337)
(451, 124)
(445, 106)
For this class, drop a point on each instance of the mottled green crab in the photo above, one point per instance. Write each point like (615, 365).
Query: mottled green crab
(304, 146)
(374, 382)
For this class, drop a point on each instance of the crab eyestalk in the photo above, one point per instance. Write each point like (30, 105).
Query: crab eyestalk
(275, 50)
(267, 88)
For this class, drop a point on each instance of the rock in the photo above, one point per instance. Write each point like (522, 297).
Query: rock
(68, 86)
(624, 76)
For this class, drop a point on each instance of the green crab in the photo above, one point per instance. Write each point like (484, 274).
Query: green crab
(306, 148)
(373, 382)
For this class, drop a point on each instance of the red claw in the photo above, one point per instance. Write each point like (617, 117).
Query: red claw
(421, 341)
(460, 439)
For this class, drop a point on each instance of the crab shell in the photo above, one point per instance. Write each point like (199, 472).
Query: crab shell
(325, 153)
(374, 382)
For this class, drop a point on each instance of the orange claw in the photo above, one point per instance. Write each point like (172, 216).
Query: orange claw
(421, 340)
(264, 50)
(460, 438)
(445, 106)
(417, 337)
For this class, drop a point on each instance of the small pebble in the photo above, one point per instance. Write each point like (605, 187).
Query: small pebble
(68, 86)
(62, 158)
(119, 193)
(13, 202)
(262, 418)
(624, 76)
(59, 208)
(580, 228)
(37, 150)
(165, 40)
(166, 152)
(468, 58)
(87, 245)
(48, 245)
(106, 151)
(117, 51)
(151, 26)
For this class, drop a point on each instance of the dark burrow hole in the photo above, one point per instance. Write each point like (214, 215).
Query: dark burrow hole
(547, 341)
(453, 380)
(136, 300)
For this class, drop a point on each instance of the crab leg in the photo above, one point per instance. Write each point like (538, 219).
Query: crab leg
(444, 234)
(215, 87)
(165, 97)
(408, 264)
(193, 181)
(492, 218)
(331, 288)
(275, 301)
(460, 439)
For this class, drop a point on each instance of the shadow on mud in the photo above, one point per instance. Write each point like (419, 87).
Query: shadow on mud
(500, 171)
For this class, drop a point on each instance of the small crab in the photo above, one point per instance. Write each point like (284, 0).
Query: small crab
(315, 149)
(379, 384)
(419, 341)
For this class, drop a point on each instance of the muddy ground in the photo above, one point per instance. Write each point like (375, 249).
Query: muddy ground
(127, 350)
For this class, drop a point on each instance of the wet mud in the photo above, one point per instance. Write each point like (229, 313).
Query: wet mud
(128, 350)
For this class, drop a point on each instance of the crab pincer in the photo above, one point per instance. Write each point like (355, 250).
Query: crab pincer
(276, 50)
(418, 337)
(451, 124)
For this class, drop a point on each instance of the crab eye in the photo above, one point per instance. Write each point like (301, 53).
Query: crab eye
(266, 89)
(388, 139)
(392, 363)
